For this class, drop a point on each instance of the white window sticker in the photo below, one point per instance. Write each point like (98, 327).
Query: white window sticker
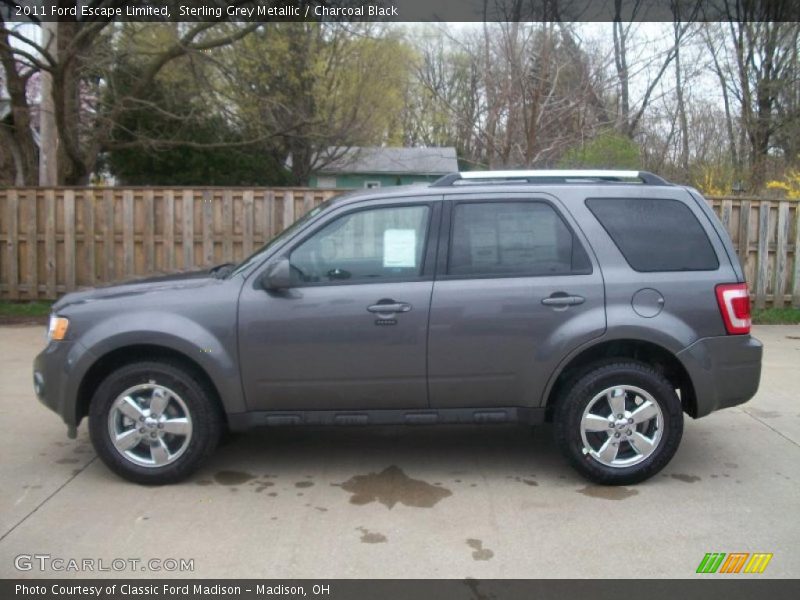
(399, 248)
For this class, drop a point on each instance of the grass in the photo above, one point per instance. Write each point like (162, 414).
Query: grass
(24, 309)
(766, 316)
(776, 316)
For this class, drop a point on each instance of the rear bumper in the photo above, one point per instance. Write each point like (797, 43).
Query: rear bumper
(725, 371)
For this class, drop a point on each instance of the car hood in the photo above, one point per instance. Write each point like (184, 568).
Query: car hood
(189, 280)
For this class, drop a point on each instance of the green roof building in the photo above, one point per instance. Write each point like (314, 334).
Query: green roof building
(371, 167)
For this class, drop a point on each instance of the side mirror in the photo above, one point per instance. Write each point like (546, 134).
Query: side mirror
(278, 275)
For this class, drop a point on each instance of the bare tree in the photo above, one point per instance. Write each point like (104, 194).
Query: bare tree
(84, 124)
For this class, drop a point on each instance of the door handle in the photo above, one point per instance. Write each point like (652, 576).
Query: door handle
(389, 307)
(563, 300)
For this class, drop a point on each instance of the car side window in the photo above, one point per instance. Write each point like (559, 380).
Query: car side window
(655, 234)
(513, 238)
(366, 245)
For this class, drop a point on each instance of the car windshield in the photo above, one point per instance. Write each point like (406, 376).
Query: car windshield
(258, 255)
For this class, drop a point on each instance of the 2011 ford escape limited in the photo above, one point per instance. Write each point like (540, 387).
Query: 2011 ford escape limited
(607, 302)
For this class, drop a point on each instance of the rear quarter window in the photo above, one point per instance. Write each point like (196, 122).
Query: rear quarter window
(655, 234)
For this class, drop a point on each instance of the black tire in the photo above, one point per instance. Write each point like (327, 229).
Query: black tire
(577, 396)
(201, 405)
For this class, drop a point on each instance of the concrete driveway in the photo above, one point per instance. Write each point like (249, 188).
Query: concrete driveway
(455, 502)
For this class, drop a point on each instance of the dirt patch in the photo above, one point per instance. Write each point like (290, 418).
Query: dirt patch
(391, 486)
(764, 414)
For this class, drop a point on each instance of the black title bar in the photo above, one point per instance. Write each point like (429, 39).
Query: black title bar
(399, 10)
(710, 588)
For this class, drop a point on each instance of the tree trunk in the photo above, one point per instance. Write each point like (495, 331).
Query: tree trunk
(17, 125)
(682, 121)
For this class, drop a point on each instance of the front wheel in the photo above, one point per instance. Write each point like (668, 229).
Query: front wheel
(153, 422)
(620, 423)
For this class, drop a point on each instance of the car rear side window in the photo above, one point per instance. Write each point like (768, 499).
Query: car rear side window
(513, 238)
(655, 234)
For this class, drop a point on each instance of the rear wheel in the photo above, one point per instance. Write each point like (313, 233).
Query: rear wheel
(153, 422)
(619, 423)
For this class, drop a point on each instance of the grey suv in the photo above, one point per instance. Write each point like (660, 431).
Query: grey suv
(607, 302)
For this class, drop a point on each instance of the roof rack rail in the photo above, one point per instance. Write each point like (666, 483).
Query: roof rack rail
(549, 176)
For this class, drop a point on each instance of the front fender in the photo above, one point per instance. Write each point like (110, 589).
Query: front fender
(214, 351)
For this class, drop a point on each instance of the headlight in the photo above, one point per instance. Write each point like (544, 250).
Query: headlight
(58, 328)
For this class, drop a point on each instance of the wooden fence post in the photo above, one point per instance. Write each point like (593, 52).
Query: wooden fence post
(781, 254)
(763, 255)
(51, 267)
(12, 243)
(69, 239)
(188, 229)
(796, 276)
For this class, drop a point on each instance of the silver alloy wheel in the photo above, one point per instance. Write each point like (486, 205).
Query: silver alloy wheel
(150, 425)
(621, 426)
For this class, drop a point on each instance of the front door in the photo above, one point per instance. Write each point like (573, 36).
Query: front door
(515, 293)
(352, 332)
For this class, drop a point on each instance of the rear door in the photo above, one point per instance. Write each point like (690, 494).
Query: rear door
(516, 289)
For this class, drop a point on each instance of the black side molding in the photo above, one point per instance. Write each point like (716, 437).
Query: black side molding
(444, 416)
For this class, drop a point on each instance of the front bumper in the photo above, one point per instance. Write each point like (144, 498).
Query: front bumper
(725, 371)
(55, 380)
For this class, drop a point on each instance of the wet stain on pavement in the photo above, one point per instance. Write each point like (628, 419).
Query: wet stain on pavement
(685, 478)
(607, 492)
(67, 461)
(303, 484)
(530, 482)
(480, 553)
(232, 477)
(391, 486)
(371, 537)
(731, 465)
(263, 485)
(203, 482)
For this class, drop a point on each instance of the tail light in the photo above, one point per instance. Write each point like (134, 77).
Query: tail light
(734, 305)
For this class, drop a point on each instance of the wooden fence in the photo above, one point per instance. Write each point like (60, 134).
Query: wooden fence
(54, 240)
